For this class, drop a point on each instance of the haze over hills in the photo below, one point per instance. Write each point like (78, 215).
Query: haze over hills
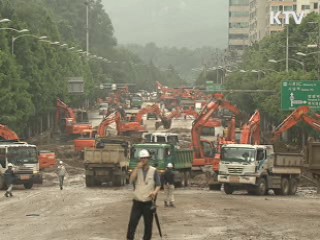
(170, 23)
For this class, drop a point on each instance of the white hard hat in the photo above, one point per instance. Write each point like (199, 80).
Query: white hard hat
(169, 165)
(10, 165)
(60, 162)
(144, 153)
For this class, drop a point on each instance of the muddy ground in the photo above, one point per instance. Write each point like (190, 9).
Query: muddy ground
(79, 213)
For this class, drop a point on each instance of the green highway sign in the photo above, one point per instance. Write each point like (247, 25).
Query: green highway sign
(214, 88)
(295, 94)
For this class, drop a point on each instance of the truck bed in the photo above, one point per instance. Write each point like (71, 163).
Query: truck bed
(111, 154)
(288, 159)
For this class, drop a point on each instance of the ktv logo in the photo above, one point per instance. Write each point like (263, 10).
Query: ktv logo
(276, 18)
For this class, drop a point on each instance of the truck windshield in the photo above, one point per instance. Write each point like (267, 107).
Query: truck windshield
(22, 155)
(234, 154)
(173, 139)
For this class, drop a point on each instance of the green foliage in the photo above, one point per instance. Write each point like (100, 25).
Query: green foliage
(259, 86)
(36, 74)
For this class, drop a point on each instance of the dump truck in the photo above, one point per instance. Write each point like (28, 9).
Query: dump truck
(312, 161)
(258, 168)
(107, 163)
(25, 161)
(162, 154)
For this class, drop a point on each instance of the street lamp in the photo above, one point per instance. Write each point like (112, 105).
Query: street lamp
(288, 59)
(13, 39)
(253, 71)
(308, 54)
(87, 3)
(16, 30)
(317, 46)
(4, 20)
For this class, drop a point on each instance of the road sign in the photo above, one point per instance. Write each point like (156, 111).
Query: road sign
(75, 85)
(295, 94)
(213, 87)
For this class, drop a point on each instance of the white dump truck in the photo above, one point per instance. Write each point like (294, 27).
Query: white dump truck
(108, 164)
(258, 168)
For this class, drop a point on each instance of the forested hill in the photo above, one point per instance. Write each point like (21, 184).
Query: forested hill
(33, 73)
(185, 61)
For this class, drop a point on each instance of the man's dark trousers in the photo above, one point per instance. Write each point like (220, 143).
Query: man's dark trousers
(140, 209)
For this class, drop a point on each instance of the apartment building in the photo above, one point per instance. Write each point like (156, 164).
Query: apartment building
(308, 6)
(238, 25)
(249, 20)
(258, 20)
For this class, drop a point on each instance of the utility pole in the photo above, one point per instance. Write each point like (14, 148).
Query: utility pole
(87, 26)
(287, 50)
(318, 48)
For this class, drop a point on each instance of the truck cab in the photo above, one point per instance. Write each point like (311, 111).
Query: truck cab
(25, 161)
(257, 168)
(159, 137)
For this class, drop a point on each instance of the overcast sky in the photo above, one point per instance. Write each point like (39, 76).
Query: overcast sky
(180, 23)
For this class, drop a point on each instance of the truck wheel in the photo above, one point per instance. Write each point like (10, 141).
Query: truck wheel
(186, 176)
(228, 189)
(116, 180)
(284, 188)
(89, 181)
(28, 185)
(261, 187)
(293, 186)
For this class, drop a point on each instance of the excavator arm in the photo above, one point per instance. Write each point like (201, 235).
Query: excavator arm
(111, 118)
(63, 108)
(149, 109)
(7, 134)
(204, 116)
(251, 130)
(198, 123)
(315, 124)
(231, 135)
(293, 119)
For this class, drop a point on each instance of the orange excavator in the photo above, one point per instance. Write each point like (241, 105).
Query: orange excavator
(152, 109)
(130, 129)
(201, 160)
(251, 131)
(300, 114)
(204, 116)
(7, 134)
(67, 120)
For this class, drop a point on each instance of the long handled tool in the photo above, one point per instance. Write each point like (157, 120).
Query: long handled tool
(156, 217)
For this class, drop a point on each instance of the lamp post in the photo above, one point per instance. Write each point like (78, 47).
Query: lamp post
(219, 68)
(15, 30)
(87, 3)
(13, 39)
(4, 20)
(288, 59)
(317, 46)
(258, 72)
(253, 71)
